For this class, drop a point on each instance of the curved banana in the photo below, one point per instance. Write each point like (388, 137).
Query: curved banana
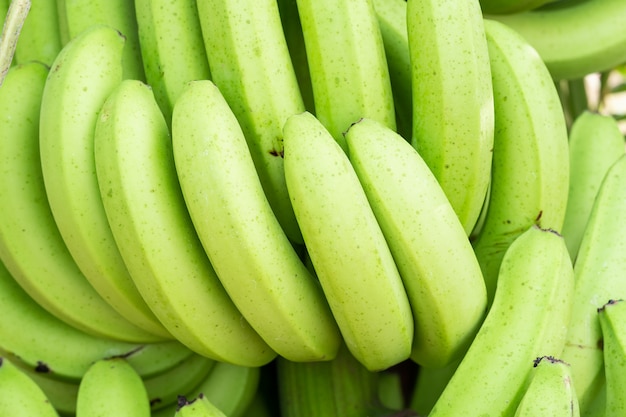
(453, 103)
(530, 173)
(598, 270)
(429, 245)
(511, 6)
(561, 35)
(347, 64)
(528, 318)
(40, 38)
(172, 48)
(148, 217)
(550, 391)
(611, 317)
(20, 396)
(345, 241)
(253, 258)
(112, 387)
(83, 75)
(251, 65)
(199, 406)
(595, 143)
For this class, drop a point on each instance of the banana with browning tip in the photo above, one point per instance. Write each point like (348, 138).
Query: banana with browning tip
(611, 317)
(20, 395)
(40, 38)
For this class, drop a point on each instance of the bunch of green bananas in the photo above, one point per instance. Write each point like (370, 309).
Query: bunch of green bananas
(304, 208)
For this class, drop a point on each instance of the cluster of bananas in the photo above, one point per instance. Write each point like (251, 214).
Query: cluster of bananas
(195, 191)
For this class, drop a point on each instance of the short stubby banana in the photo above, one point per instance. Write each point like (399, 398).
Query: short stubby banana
(453, 114)
(611, 317)
(40, 38)
(561, 35)
(530, 172)
(434, 256)
(347, 247)
(528, 319)
(253, 258)
(20, 396)
(148, 217)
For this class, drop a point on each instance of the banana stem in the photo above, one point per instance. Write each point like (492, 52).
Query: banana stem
(16, 15)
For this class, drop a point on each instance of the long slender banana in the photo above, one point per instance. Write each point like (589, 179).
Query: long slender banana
(429, 245)
(510, 6)
(560, 34)
(40, 38)
(172, 48)
(83, 75)
(528, 318)
(550, 391)
(595, 143)
(20, 395)
(17, 12)
(347, 63)
(453, 104)
(598, 270)
(199, 406)
(530, 173)
(348, 250)
(251, 65)
(253, 258)
(611, 317)
(148, 217)
(112, 388)
(79, 15)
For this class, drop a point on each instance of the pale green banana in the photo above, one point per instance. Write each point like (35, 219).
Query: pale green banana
(149, 218)
(574, 37)
(453, 99)
(428, 242)
(595, 143)
(16, 14)
(511, 6)
(528, 318)
(348, 250)
(253, 258)
(40, 38)
(20, 396)
(200, 406)
(530, 173)
(251, 66)
(347, 63)
(611, 317)
(83, 75)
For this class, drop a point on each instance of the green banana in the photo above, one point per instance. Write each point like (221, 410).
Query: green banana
(40, 38)
(112, 387)
(528, 318)
(611, 317)
(511, 6)
(200, 406)
(530, 173)
(561, 35)
(347, 63)
(253, 258)
(428, 243)
(453, 99)
(17, 12)
(251, 66)
(595, 143)
(550, 391)
(429, 384)
(148, 217)
(172, 48)
(598, 272)
(347, 247)
(83, 75)
(20, 395)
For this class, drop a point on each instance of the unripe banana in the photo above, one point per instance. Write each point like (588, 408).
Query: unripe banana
(40, 38)
(200, 406)
(510, 6)
(347, 247)
(16, 14)
(20, 396)
(612, 317)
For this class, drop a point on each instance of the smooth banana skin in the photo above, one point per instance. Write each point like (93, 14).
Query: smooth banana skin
(530, 173)
(428, 242)
(251, 66)
(560, 34)
(528, 318)
(511, 6)
(253, 258)
(595, 143)
(112, 387)
(200, 406)
(453, 103)
(79, 15)
(172, 48)
(611, 317)
(598, 270)
(347, 63)
(348, 250)
(40, 38)
(20, 395)
(550, 391)
(148, 216)
(83, 75)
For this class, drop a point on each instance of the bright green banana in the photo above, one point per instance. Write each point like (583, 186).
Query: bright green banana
(20, 396)
(40, 38)
(530, 173)
(611, 317)
(428, 243)
(453, 103)
(253, 258)
(510, 6)
(528, 318)
(348, 250)
(200, 406)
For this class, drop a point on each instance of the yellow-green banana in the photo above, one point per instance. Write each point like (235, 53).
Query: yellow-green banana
(612, 317)
(511, 6)
(40, 38)
(20, 396)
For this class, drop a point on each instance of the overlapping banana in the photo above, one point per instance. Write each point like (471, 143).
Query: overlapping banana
(20, 396)
(611, 317)
(40, 37)
(16, 14)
